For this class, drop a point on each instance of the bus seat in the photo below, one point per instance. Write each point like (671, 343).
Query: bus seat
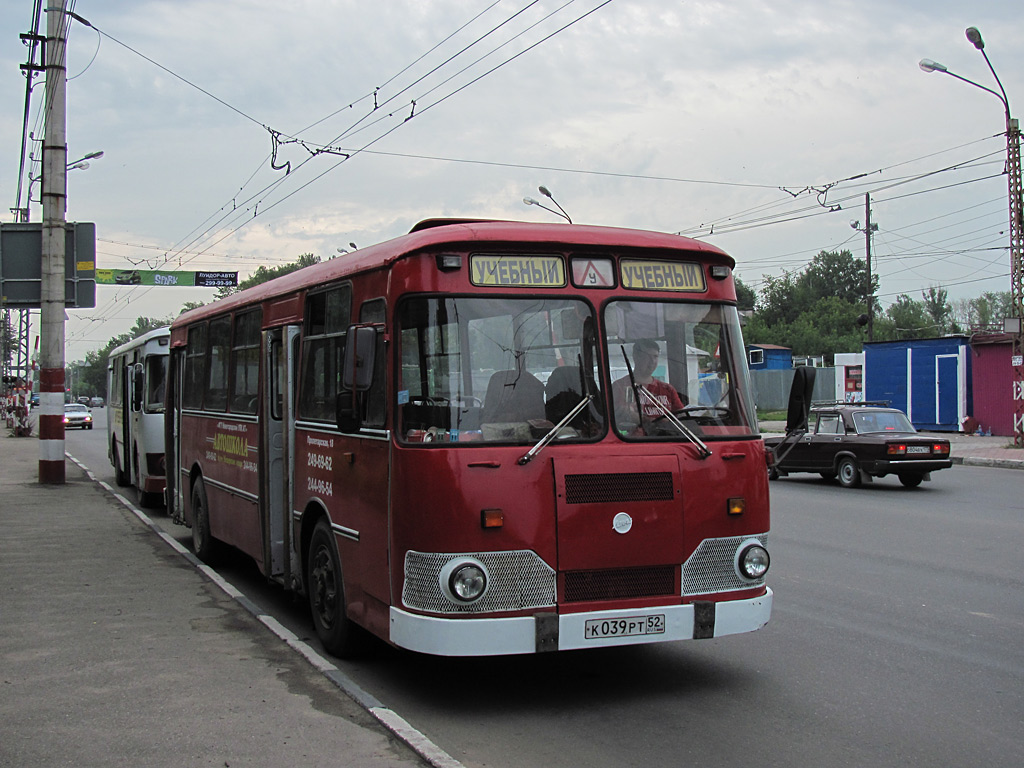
(513, 396)
(563, 392)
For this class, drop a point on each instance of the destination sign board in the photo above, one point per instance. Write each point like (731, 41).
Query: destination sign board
(517, 271)
(650, 275)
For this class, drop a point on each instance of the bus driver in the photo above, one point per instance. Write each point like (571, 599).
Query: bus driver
(645, 360)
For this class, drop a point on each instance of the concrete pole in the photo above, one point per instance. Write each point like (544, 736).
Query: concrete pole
(867, 256)
(54, 199)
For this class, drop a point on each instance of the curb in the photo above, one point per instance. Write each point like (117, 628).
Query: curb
(395, 724)
(972, 461)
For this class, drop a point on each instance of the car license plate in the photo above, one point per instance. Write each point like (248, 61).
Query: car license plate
(626, 626)
(918, 449)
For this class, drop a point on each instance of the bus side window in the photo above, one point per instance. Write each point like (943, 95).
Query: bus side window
(374, 400)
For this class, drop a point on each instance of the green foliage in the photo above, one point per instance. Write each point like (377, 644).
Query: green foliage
(746, 297)
(815, 311)
(264, 274)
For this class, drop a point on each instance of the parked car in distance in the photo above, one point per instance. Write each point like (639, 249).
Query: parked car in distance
(34, 400)
(77, 415)
(855, 442)
(82, 400)
(96, 402)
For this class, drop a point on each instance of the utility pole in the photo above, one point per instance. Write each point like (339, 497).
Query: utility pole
(867, 255)
(54, 200)
(869, 289)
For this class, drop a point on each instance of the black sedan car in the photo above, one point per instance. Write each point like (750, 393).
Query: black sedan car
(855, 443)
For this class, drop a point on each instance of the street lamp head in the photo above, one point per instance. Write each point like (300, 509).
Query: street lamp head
(545, 191)
(975, 37)
(530, 201)
(93, 155)
(928, 65)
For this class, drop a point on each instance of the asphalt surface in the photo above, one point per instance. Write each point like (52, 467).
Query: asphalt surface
(118, 649)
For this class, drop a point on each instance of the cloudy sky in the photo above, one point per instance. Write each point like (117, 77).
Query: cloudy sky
(758, 126)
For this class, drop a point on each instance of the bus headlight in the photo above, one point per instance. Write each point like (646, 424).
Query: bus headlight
(464, 580)
(752, 560)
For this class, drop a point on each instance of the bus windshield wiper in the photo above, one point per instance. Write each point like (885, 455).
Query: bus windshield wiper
(702, 450)
(528, 456)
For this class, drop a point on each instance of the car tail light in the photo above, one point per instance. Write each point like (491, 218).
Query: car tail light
(940, 448)
(896, 449)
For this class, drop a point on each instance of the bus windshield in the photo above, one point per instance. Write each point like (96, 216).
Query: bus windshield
(684, 364)
(497, 370)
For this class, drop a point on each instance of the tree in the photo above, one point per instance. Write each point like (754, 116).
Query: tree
(936, 304)
(815, 311)
(904, 319)
(264, 274)
(746, 297)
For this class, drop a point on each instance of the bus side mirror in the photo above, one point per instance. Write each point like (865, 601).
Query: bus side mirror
(138, 384)
(800, 395)
(357, 373)
(346, 412)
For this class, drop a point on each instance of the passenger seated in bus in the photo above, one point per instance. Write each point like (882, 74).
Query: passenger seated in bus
(645, 360)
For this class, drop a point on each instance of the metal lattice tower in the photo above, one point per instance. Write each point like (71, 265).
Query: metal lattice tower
(1016, 275)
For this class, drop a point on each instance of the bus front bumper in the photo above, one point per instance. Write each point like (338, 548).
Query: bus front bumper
(467, 636)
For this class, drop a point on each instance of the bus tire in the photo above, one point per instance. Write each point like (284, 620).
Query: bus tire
(326, 592)
(203, 543)
(120, 476)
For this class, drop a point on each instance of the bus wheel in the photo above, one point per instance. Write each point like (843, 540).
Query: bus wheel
(327, 593)
(203, 543)
(120, 476)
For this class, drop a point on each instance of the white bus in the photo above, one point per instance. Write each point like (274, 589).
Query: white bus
(136, 381)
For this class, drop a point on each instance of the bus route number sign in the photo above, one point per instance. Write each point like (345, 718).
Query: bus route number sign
(517, 271)
(662, 275)
(596, 629)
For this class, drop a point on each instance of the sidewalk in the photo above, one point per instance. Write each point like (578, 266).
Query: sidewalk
(971, 450)
(116, 650)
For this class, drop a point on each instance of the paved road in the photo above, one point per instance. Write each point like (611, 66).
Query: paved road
(895, 641)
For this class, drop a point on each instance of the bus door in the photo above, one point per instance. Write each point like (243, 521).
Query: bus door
(172, 436)
(277, 435)
(127, 393)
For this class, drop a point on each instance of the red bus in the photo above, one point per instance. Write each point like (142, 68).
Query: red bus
(437, 439)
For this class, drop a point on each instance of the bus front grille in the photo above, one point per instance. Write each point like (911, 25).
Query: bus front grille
(517, 580)
(711, 568)
(618, 487)
(620, 583)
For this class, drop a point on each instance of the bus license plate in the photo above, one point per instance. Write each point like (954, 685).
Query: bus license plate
(626, 626)
(918, 449)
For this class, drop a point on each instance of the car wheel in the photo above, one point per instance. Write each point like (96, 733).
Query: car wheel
(326, 590)
(848, 473)
(203, 543)
(910, 480)
(773, 473)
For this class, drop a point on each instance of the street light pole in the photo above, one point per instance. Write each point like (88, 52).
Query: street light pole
(1013, 172)
(52, 300)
